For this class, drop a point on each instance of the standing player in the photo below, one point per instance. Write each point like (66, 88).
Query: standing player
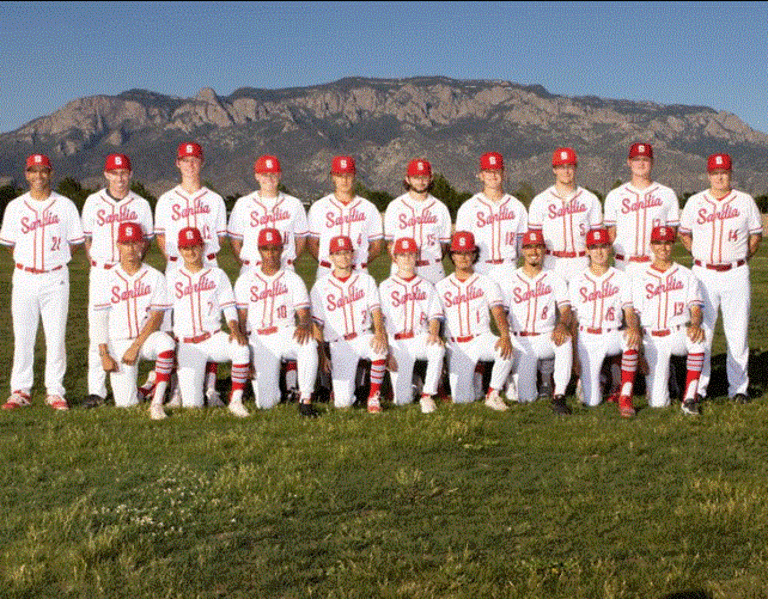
(420, 216)
(39, 227)
(667, 296)
(270, 299)
(200, 294)
(564, 213)
(496, 219)
(191, 204)
(103, 212)
(265, 208)
(600, 295)
(722, 229)
(540, 322)
(344, 304)
(412, 316)
(633, 209)
(128, 311)
(344, 214)
(467, 297)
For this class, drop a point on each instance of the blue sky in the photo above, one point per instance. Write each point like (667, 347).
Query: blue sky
(711, 54)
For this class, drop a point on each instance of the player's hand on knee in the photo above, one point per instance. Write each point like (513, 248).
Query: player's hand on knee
(379, 343)
(302, 334)
(325, 362)
(435, 340)
(131, 355)
(237, 335)
(696, 333)
(561, 334)
(504, 346)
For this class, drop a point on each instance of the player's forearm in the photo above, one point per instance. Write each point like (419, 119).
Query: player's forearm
(630, 317)
(237, 246)
(697, 316)
(88, 243)
(378, 322)
(161, 245)
(303, 317)
(374, 249)
(152, 325)
(317, 332)
(313, 245)
(301, 245)
(687, 241)
(242, 318)
(434, 327)
(500, 318)
(611, 234)
(754, 244)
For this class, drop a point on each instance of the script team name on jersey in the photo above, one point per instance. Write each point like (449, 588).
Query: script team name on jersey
(400, 299)
(32, 224)
(139, 289)
(705, 216)
(540, 290)
(335, 220)
(263, 220)
(607, 290)
(335, 302)
(484, 219)
(197, 207)
(204, 284)
(124, 214)
(627, 205)
(452, 299)
(277, 289)
(425, 218)
(572, 207)
(670, 284)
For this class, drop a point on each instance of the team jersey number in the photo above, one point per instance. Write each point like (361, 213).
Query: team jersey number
(282, 312)
(679, 308)
(55, 243)
(733, 235)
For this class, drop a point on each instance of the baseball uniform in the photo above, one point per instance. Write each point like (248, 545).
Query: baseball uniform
(271, 303)
(466, 305)
(40, 233)
(720, 231)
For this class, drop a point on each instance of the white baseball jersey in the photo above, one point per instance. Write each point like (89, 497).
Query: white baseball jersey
(198, 299)
(599, 301)
(130, 298)
(635, 212)
(466, 304)
(343, 307)
(497, 226)
(102, 216)
(252, 213)
(664, 299)
(428, 222)
(359, 220)
(271, 301)
(408, 305)
(204, 209)
(41, 232)
(564, 222)
(533, 302)
(720, 228)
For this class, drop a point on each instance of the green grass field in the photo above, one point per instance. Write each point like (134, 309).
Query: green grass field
(465, 503)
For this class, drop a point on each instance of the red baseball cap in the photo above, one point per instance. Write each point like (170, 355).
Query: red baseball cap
(564, 156)
(491, 161)
(719, 162)
(270, 238)
(117, 161)
(463, 241)
(419, 167)
(38, 160)
(343, 165)
(128, 232)
(597, 237)
(663, 233)
(267, 164)
(533, 237)
(405, 245)
(341, 243)
(190, 148)
(641, 149)
(190, 236)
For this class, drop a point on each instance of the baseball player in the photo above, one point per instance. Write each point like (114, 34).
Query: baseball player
(540, 322)
(344, 304)
(467, 297)
(496, 219)
(128, 311)
(412, 316)
(633, 209)
(420, 216)
(40, 228)
(667, 296)
(273, 304)
(103, 212)
(564, 213)
(600, 295)
(722, 229)
(268, 207)
(200, 293)
(344, 214)
(191, 204)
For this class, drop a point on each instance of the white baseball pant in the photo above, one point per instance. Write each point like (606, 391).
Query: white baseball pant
(97, 378)
(658, 351)
(463, 357)
(37, 296)
(124, 380)
(267, 351)
(345, 355)
(406, 352)
(593, 348)
(529, 349)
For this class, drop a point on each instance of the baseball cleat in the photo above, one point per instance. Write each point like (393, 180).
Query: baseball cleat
(308, 410)
(614, 397)
(94, 401)
(214, 399)
(493, 400)
(626, 409)
(175, 400)
(57, 402)
(427, 404)
(740, 398)
(559, 406)
(17, 400)
(511, 390)
(156, 412)
(579, 391)
(690, 407)
(145, 393)
(238, 409)
(374, 404)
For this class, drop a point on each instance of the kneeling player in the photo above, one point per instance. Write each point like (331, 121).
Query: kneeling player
(599, 295)
(128, 312)
(467, 297)
(344, 303)
(540, 317)
(668, 298)
(200, 294)
(412, 316)
(269, 298)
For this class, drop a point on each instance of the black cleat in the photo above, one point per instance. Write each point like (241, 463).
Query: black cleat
(559, 406)
(94, 401)
(308, 410)
(690, 407)
(740, 398)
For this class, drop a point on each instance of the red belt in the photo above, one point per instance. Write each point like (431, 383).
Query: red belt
(499, 261)
(596, 331)
(199, 338)
(720, 267)
(348, 337)
(406, 335)
(463, 339)
(426, 262)
(38, 271)
(525, 334)
(267, 331)
(287, 262)
(104, 265)
(567, 254)
(174, 258)
(633, 258)
(663, 332)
